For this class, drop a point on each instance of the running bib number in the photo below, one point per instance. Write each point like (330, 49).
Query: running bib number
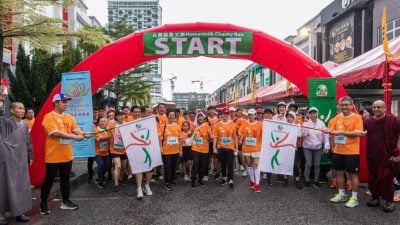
(118, 145)
(341, 140)
(198, 140)
(64, 141)
(226, 140)
(104, 146)
(250, 141)
(172, 140)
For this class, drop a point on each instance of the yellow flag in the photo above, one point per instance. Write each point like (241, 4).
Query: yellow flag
(385, 42)
(253, 87)
(287, 88)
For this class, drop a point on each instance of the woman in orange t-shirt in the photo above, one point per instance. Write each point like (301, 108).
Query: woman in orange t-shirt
(187, 156)
(102, 145)
(226, 145)
(117, 150)
(250, 136)
(200, 148)
(171, 147)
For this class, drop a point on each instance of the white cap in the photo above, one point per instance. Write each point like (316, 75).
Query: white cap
(60, 97)
(232, 109)
(281, 103)
(251, 111)
(291, 114)
(313, 109)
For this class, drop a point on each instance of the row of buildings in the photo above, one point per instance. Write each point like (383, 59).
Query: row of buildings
(342, 31)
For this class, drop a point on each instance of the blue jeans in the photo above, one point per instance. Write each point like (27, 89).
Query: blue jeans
(103, 163)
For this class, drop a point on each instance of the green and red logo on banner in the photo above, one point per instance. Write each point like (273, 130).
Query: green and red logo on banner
(187, 43)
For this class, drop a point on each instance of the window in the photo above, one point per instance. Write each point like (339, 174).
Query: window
(393, 30)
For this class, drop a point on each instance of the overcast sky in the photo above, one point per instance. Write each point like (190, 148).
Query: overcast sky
(278, 18)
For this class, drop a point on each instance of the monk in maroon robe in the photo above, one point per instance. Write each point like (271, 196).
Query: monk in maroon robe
(382, 155)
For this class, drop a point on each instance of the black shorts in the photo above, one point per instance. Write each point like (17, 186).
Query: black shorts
(187, 153)
(122, 156)
(348, 163)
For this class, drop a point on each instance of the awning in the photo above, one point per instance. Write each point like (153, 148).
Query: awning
(246, 100)
(221, 105)
(368, 66)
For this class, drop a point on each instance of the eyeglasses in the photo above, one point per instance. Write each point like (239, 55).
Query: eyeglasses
(345, 104)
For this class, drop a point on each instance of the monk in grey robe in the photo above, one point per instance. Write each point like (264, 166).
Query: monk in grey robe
(15, 156)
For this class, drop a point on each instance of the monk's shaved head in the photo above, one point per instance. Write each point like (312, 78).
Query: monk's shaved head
(379, 109)
(379, 102)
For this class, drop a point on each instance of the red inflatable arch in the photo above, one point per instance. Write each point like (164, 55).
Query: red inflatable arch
(128, 52)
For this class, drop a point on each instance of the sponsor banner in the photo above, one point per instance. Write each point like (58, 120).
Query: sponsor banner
(141, 143)
(341, 40)
(78, 87)
(278, 147)
(188, 43)
(322, 95)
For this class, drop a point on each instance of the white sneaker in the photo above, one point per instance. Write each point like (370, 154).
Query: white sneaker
(147, 190)
(161, 178)
(205, 178)
(139, 192)
(264, 176)
(244, 174)
(352, 203)
(241, 168)
(186, 178)
(339, 198)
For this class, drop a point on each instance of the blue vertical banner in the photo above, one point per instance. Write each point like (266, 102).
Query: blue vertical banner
(78, 87)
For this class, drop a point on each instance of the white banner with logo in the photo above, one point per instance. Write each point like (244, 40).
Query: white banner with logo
(141, 143)
(278, 147)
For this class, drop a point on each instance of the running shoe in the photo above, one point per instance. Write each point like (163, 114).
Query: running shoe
(269, 182)
(186, 178)
(317, 184)
(168, 187)
(231, 184)
(252, 185)
(264, 176)
(201, 183)
(244, 174)
(352, 203)
(333, 183)
(69, 205)
(223, 181)
(257, 188)
(161, 177)
(147, 190)
(373, 202)
(241, 168)
(286, 183)
(339, 198)
(194, 186)
(44, 210)
(115, 188)
(205, 178)
(308, 184)
(298, 184)
(139, 193)
(100, 185)
(216, 176)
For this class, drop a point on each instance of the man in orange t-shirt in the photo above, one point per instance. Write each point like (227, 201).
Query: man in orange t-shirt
(347, 129)
(61, 129)
(29, 118)
(226, 145)
(161, 109)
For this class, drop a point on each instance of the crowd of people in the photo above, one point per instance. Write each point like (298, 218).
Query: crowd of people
(204, 144)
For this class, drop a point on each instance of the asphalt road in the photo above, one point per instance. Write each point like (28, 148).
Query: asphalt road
(212, 204)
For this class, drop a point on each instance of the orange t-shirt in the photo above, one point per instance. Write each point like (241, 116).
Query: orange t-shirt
(346, 145)
(181, 120)
(225, 134)
(252, 136)
(129, 119)
(239, 121)
(101, 147)
(171, 138)
(200, 140)
(162, 118)
(212, 122)
(116, 144)
(29, 123)
(192, 125)
(58, 150)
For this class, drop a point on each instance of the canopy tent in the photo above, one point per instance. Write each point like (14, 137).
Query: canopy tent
(368, 66)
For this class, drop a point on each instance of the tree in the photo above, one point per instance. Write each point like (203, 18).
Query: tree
(26, 20)
(118, 29)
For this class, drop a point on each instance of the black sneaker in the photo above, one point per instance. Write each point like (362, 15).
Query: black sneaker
(44, 210)
(69, 205)
(308, 184)
(223, 181)
(90, 179)
(269, 183)
(115, 188)
(231, 184)
(299, 185)
(201, 183)
(22, 218)
(168, 187)
(317, 184)
(286, 183)
(194, 186)
(216, 176)
(100, 185)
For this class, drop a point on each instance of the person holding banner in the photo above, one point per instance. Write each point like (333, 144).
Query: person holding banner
(200, 148)
(117, 150)
(281, 111)
(171, 147)
(314, 144)
(347, 130)
(250, 137)
(102, 146)
(61, 129)
(290, 118)
(226, 145)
